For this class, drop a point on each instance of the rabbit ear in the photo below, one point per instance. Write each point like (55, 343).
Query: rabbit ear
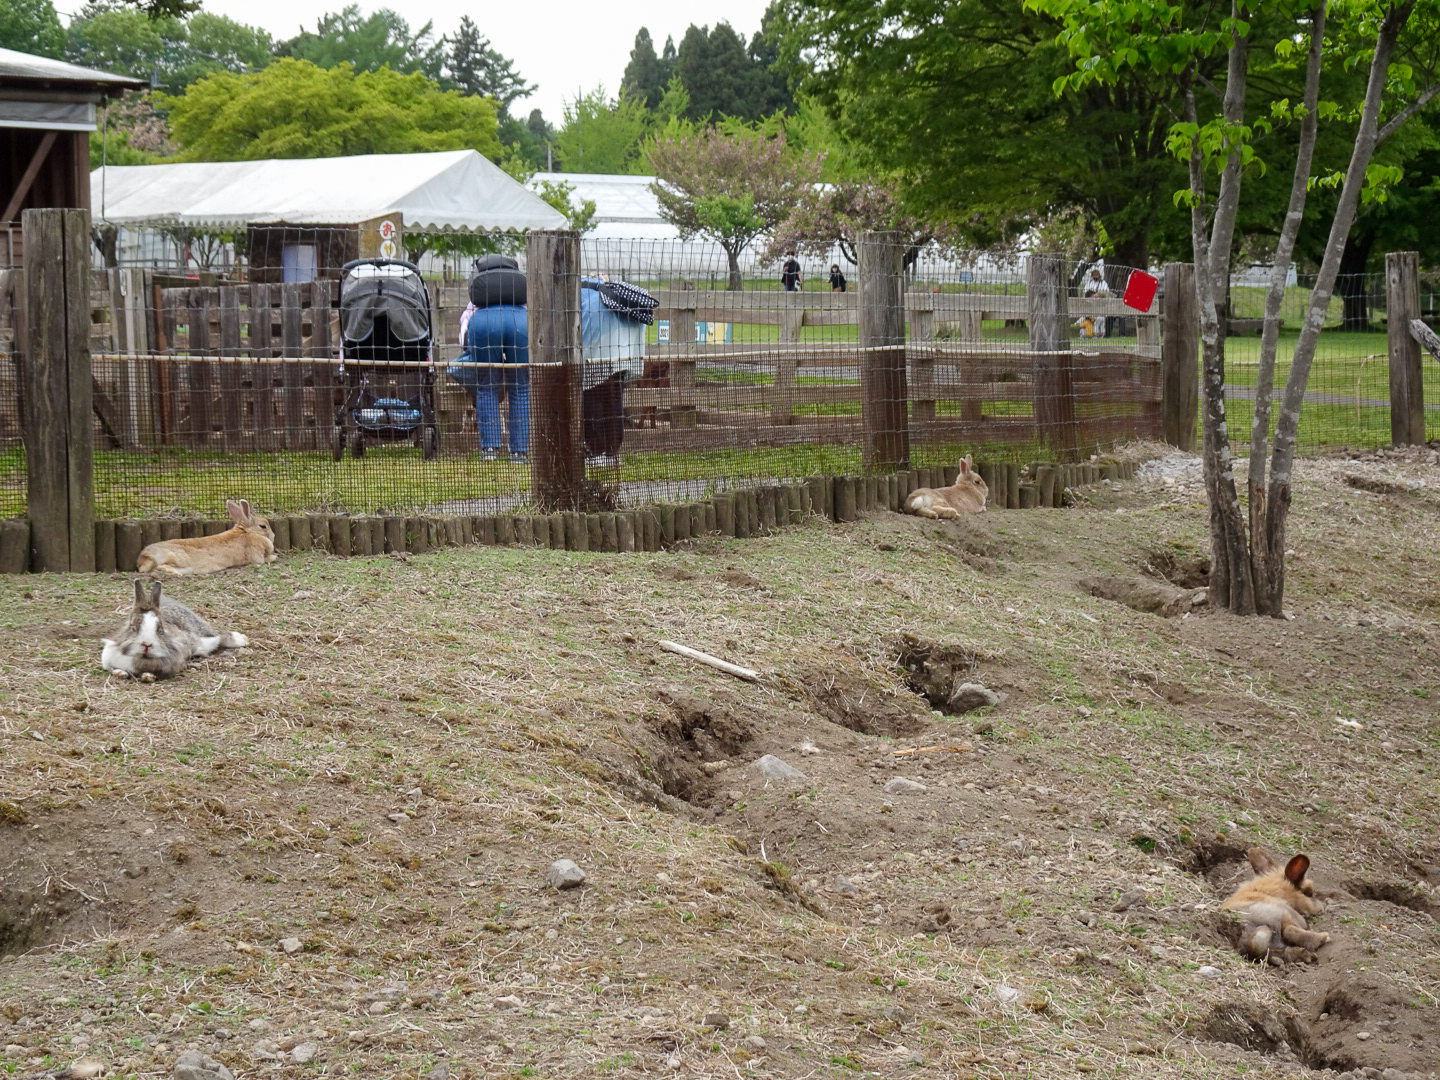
(1260, 860)
(245, 508)
(139, 591)
(155, 595)
(965, 465)
(1296, 869)
(238, 511)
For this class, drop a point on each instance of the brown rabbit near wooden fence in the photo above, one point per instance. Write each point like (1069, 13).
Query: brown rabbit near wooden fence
(249, 540)
(966, 496)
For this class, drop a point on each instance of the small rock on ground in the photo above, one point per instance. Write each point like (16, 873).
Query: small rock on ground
(772, 768)
(193, 1065)
(971, 696)
(304, 1053)
(564, 874)
(901, 785)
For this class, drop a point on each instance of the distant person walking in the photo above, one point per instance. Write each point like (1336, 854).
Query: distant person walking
(1095, 287)
(790, 272)
(837, 279)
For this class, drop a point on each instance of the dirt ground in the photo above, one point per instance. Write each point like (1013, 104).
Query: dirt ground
(328, 852)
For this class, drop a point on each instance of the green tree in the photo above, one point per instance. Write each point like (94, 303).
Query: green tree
(31, 26)
(216, 43)
(602, 134)
(1392, 41)
(954, 100)
(295, 109)
(474, 67)
(646, 76)
(124, 41)
(730, 184)
(170, 53)
(770, 90)
(368, 43)
(716, 71)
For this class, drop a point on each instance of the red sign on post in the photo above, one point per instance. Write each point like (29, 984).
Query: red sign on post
(1140, 290)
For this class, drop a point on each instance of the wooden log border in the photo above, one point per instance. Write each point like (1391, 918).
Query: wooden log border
(742, 514)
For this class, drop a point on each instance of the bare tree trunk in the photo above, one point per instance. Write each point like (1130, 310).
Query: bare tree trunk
(732, 256)
(1231, 580)
(1266, 602)
(1287, 426)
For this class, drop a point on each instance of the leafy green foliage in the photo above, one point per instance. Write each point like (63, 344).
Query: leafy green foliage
(602, 134)
(170, 53)
(578, 216)
(32, 26)
(646, 75)
(474, 67)
(956, 103)
(294, 109)
(730, 184)
(368, 43)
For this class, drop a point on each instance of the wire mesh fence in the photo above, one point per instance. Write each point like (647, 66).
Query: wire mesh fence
(12, 459)
(249, 380)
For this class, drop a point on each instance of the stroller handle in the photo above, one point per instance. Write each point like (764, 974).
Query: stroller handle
(379, 261)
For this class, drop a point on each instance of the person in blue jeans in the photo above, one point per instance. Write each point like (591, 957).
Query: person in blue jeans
(498, 335)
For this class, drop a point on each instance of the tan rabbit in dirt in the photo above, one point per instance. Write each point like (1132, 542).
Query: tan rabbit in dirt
(250, 540)
(1275, 903)
(966, 496)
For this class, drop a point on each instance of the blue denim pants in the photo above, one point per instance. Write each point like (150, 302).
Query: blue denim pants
(498, 335)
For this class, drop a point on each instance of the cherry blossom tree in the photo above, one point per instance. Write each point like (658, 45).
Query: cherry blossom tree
(731, 184)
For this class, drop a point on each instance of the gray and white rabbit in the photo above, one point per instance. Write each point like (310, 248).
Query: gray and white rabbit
(161, 637)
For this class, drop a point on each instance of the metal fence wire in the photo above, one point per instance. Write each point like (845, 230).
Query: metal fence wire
(245, 378)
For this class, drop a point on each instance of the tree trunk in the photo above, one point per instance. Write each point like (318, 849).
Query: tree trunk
(1231, 580)
(732, 257)
(1261, 554)
(1288, 424)
(1350, 284)
(1133, 252)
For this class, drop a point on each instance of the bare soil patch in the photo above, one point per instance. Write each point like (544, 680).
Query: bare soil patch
(329, 850)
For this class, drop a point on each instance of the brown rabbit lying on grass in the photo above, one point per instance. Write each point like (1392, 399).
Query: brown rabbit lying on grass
(1275, 903)
(250, 540)
(966, 496)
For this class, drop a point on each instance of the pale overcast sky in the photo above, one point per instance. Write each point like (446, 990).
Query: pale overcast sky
(567, 47)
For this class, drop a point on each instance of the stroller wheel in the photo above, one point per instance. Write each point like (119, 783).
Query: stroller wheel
(357, 443)
(429, 443)
(339, 442)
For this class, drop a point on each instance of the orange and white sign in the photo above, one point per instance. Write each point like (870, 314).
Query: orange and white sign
(387, 230)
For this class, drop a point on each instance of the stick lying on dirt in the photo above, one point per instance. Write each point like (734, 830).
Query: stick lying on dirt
(714, 661)
(962, 748)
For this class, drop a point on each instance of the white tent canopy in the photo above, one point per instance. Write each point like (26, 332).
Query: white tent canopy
(453, 191)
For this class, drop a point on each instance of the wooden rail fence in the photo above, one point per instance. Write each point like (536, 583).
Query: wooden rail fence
(251, 367)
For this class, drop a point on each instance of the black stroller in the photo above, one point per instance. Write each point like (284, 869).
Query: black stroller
(387, 368)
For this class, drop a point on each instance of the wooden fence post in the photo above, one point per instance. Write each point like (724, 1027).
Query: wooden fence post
(682, 368)
(1180, 357)
(1049, 320)
(884, 395)
(792, 321)
(557, 444)
(58, 390)
(1407, 381)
